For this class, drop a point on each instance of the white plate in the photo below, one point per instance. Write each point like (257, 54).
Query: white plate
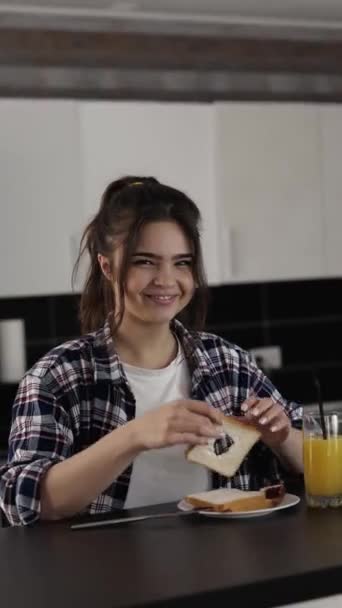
(289, 500)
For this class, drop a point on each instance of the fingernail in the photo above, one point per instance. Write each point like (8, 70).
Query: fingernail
(273, 429)
(255, 412)
(263, 420)
(244, 407)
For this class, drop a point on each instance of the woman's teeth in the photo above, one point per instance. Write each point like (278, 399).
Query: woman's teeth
(161, 298)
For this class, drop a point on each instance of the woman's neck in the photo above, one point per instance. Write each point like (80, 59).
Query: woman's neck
(147, 346)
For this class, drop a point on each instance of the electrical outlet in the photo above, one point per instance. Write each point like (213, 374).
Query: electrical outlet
(268, 357)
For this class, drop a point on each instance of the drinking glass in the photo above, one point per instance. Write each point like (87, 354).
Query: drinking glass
(323, 457)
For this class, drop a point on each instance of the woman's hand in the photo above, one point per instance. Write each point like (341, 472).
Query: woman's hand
(269, 418)
(184, 421)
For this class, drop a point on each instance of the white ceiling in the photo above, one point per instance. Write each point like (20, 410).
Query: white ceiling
(304, 12)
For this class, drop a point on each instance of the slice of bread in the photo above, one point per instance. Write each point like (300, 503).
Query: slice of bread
(233, 500)
(225, 454)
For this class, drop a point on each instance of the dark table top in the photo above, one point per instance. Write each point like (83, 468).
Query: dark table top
(291, 555)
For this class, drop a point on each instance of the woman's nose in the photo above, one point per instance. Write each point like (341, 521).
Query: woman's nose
(164, 276)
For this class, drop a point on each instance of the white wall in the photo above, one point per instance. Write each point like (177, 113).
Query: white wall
(41, 197)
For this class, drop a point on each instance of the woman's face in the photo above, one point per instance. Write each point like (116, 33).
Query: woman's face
(160, 279)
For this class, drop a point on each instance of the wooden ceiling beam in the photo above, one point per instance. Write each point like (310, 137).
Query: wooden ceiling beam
(33, 47)
(47, 62)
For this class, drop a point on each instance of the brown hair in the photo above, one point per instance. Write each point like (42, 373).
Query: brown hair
(126, 206)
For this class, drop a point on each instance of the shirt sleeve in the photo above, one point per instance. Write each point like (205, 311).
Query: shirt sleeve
(40, 436)
(261, 386)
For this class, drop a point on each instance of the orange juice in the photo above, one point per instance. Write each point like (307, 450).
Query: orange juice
(323, 466)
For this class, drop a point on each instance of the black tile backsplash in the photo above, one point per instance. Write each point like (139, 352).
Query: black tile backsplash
(308, 342)
(297, 384)
(303, 317)
(247, 337)
(37, 350)
(7, 395)
(304, 299)
(66, 316)
(35, 311)
(236, 303)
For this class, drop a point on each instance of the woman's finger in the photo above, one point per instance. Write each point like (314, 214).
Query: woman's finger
(202, 408)
(187, 439)
(279, 423)
(260, 408)
(188, 422)
(249, 403)
(271, 414)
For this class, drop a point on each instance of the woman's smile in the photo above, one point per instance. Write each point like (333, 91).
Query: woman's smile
(161, 300)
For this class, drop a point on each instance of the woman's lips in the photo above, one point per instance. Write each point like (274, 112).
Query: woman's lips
(163, 300)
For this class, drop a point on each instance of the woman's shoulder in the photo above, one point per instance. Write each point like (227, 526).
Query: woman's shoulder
(72, 359)
(212, 341)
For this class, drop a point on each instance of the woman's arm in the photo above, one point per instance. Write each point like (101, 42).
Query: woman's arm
(43, 477)
(69, 486)
(290, 451)
(276, 430)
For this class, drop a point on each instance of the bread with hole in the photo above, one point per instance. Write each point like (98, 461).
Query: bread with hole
(225, 454)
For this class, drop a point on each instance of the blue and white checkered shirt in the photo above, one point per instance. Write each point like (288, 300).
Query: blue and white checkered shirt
(78, 392)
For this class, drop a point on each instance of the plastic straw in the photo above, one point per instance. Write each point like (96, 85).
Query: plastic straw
(320, 405)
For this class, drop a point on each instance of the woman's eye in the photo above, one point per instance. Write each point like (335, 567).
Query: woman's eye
(184, 263)
(147, 262)
(142, 262)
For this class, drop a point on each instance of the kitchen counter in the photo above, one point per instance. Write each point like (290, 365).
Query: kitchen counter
(289, 556)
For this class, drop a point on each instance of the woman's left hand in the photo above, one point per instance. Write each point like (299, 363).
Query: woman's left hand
(269, 418)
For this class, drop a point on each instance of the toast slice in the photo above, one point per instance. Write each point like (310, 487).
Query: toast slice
(233, 500)
(225, 454)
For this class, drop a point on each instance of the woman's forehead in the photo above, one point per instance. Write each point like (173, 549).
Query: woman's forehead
(162, 236)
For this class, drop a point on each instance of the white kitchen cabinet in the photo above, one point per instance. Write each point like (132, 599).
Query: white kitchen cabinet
(265, 176)
(330, 124)
(41, 204)
(269, 191)
(170, 141)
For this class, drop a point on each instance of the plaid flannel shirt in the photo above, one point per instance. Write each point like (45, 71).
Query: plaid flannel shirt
(78, 392)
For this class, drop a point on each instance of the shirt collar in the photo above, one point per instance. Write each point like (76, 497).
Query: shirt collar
(107, 364)
(195, 352)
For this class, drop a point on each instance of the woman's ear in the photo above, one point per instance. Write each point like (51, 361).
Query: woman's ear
(105, 266)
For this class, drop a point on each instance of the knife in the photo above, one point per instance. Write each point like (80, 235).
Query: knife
(124, 520)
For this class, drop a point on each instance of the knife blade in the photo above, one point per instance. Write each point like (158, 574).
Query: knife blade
(125, 520)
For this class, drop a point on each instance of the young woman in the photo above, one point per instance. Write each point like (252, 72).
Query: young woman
(103, 421)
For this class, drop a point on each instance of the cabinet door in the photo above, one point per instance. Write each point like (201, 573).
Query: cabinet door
(40, 191)
(170, 141)
(330, 121)
(268, 179)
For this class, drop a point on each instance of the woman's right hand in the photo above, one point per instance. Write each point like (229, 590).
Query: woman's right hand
(184, 421)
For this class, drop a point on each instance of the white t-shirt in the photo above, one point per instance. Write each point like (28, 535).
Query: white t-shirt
(162, 475)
